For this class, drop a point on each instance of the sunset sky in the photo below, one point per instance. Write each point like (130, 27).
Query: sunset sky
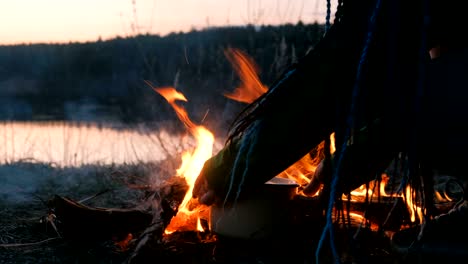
(33, 21)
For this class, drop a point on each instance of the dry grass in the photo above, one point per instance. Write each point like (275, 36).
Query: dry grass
(25, 236)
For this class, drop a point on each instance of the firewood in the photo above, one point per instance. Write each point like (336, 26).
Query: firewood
(166, 202)
(77, 221)
(389, 213)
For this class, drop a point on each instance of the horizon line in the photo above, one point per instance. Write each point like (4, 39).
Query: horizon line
(127, 36)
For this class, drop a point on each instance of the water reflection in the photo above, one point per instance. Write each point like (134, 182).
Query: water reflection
(75, 144)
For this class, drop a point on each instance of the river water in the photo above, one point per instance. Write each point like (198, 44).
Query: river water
(76, 144)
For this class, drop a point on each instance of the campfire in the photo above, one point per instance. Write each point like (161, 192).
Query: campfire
(174, 216)
(190, 213)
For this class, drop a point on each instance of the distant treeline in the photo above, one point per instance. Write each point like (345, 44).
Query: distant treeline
(106, 78)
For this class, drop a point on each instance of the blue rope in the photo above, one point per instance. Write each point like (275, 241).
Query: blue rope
(253, 143)
(422, 55)
(348, 135)
(242, 149)
(327, 19)
(414, 154)
(247, 145)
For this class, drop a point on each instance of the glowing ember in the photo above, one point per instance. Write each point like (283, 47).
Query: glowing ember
(416, 213)
(439, 197)
(362, 191)
(369, 189)
(332, 143)
(363, 221)
(358, 216)
(442, 197)
(123, 244)
(192, 163)
(383, 183)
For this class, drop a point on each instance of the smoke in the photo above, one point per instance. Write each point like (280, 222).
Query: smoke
(18, 182)
(121, 185)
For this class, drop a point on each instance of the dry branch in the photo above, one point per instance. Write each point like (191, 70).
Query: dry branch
(166, 202)
(77, 221)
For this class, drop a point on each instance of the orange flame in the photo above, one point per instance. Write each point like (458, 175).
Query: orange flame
(251, 87)
(199, 226)
(411, 204)
(332, 143)
(303, 170)
(362, 219)
(172, 95)
(416, 212)
(192, 163)
(369, 189)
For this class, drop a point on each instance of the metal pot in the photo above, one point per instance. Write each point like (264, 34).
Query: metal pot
(257, 216)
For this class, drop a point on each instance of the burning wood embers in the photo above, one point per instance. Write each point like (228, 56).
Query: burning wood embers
(143, 232)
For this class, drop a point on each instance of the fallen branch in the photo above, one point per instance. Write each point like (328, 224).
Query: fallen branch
(77, 221)
(166, 203)
(28, 244)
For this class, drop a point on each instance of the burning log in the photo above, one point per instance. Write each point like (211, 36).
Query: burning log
(389, 213)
